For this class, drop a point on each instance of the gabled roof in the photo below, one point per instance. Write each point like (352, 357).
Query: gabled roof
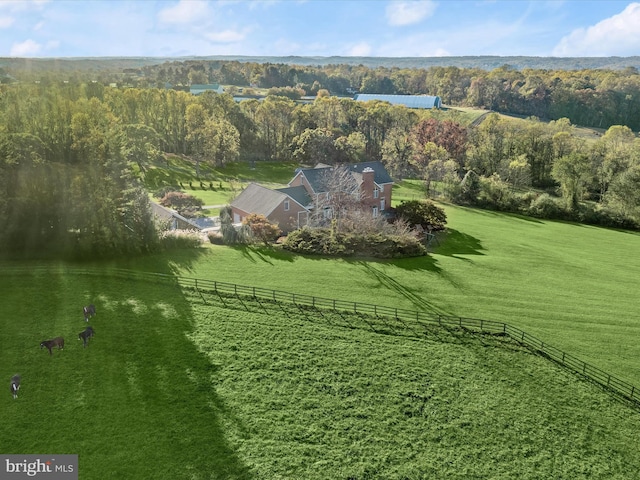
(381, 175)
(165, 213)
(409, 101)
(261, 200)
(298, 194)
(316, 176)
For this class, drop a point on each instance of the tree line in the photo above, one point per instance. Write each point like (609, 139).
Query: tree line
(72, 155)
(589, 97)
(594, 97)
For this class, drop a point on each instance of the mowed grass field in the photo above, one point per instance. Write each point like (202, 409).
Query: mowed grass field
(573, 286)
(173, 388)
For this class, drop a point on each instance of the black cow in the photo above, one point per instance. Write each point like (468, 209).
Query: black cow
(86, 335)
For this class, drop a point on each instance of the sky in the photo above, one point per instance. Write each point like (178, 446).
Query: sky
(379, 28)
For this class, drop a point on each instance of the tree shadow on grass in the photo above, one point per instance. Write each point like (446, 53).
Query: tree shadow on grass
(140, 401)
(266, 254)
(413, 295)
(454, 243)
(514, 216)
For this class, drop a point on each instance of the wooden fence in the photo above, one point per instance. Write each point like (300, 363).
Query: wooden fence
(408, 318)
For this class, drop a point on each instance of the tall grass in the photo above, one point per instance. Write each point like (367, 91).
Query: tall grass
(171, 387)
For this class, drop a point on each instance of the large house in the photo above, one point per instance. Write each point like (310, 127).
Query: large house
(291, 206)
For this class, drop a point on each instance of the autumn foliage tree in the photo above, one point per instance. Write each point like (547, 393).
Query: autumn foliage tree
(261, 228)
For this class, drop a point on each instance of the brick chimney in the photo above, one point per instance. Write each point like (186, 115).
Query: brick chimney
(368, 183)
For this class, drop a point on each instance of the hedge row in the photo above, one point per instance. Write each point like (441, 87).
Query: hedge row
(324, 241)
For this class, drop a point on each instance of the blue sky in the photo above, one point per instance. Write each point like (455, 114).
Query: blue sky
(418, 28)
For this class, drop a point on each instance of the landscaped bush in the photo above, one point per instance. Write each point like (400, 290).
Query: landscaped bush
(261, 229)
(422, 212)
(324, 241)
(184, 204)
(215, 238)
(179, 239)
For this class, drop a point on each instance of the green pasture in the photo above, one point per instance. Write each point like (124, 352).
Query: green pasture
(573, 286)
(173, 388)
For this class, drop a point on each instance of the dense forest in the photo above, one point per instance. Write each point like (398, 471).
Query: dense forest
(74, 152)
(589, 94)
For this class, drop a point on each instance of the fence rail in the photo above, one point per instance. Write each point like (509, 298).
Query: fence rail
(409, 318)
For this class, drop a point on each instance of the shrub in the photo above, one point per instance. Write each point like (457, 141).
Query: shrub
(185, 204)
(323, 241)
(261, 228)
(179, 239)
(546, 206)
(215, 238)
(422, 212)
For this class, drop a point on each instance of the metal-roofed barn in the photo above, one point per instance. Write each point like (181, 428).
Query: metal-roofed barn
(409, 101)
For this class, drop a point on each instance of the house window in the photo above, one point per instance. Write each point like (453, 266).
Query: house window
(286, 205)
(375, 212)
(376, 193)
(326, 211)
(382, 204)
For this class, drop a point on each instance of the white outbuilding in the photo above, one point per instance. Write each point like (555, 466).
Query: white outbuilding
(409, 101)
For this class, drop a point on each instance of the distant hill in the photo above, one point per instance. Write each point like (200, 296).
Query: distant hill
(482, 62)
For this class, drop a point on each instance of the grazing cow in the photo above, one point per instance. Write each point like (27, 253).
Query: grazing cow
(86, 335)
(15, 385)
(89, 312)
(55, 342)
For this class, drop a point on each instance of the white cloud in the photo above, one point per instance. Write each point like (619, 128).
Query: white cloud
(28, 48)
(362, 49)
(408, 12)
(6, 22)
(185, 11)
(226, 36)
(618, 35)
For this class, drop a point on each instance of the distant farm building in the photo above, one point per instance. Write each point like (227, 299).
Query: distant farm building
(409, 101)
(199, 88)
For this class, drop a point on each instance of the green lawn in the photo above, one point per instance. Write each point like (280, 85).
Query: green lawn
(573, 286)
(171, 388)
